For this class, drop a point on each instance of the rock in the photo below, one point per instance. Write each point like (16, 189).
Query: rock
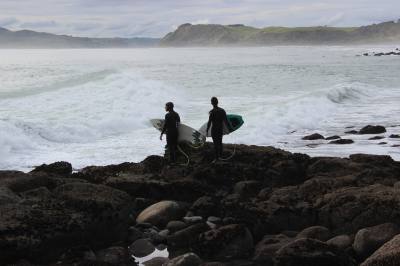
(351, 132)
(174, 226)
(157, 261)
(141, 248)
(333, 137)
(315, 232)
(161, 213)
(227, 242)
(382, 143)
(372, 130)
(341, 242)
(214, 220)
(205, 206)
(394, 136)
(386, 255)
(113, 255)
(376, 138)
(134, 234)
(314, 136)
(265, 250)
(185, 238)
(189, 259)
(8, 196)
(57, 168)
(310, 252)
(193, 219)
(369, 239)
(342, 141)
(247, 188)
(164, 233)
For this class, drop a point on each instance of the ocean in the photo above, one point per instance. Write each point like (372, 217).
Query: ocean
(92, 107)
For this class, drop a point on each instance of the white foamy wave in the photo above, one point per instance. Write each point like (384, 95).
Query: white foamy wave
(86, 113)
(275, 120)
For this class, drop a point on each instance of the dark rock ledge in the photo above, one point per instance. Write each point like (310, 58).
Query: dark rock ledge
(263, 207)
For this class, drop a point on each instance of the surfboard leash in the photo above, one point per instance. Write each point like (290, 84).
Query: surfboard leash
(184, 154)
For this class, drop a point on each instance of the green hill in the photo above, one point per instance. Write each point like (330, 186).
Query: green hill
(241, 35)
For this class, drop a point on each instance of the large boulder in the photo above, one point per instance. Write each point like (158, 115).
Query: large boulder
(114, 256)
(310, 252)
(314, 136)
(227, 242)
(161, 213)
(369, 239)
(386, 255)
(372, 130)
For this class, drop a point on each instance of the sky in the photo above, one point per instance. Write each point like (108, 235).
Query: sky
(155, 18)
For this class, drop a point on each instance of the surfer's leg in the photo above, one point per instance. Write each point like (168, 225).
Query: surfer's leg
(172, 143)
(221, 147)
(216, 148)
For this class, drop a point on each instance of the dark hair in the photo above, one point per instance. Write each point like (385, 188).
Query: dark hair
(170, 105)
(214, 101)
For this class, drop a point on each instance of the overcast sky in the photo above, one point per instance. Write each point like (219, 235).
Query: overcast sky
(155, 18)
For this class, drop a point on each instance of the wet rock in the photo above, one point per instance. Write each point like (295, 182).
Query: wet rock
(227, 242)
(161, 213)
(315, 232)
(307, 252)
(141, 248)
(386, 255)
(376, 138)
(342, 141)
(314, 136)
(57, 168)
(341, 242)
(174, 226)
(351, 132)
(372, 130)
(189, 259)
(394, 136)
(367, 240)
(333, 137)
(113, 255)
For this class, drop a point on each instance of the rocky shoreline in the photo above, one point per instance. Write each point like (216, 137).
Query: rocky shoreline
(265, 206)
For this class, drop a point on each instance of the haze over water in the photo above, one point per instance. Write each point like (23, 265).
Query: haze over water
(91, 107)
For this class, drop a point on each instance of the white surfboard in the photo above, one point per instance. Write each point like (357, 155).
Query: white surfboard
(186, 133)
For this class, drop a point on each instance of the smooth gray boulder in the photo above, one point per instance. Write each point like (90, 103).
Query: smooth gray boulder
(161, 213)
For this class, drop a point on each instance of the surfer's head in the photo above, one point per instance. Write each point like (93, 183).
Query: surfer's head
(169, 106)
(214, 101)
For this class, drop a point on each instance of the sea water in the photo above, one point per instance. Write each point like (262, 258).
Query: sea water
(92, 107)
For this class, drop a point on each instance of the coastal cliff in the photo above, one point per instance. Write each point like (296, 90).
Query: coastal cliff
(241, 35)
(265, 206)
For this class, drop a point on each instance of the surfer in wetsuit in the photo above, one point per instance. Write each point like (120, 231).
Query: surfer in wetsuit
(217, 119)
(171, 124)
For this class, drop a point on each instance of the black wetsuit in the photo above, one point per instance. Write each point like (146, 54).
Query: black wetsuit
(171, 124)
(217, 119)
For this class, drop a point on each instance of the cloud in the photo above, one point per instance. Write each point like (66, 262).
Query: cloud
(127, 18)
(9, 21)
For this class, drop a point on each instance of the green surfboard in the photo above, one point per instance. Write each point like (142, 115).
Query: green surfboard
(236, 122)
